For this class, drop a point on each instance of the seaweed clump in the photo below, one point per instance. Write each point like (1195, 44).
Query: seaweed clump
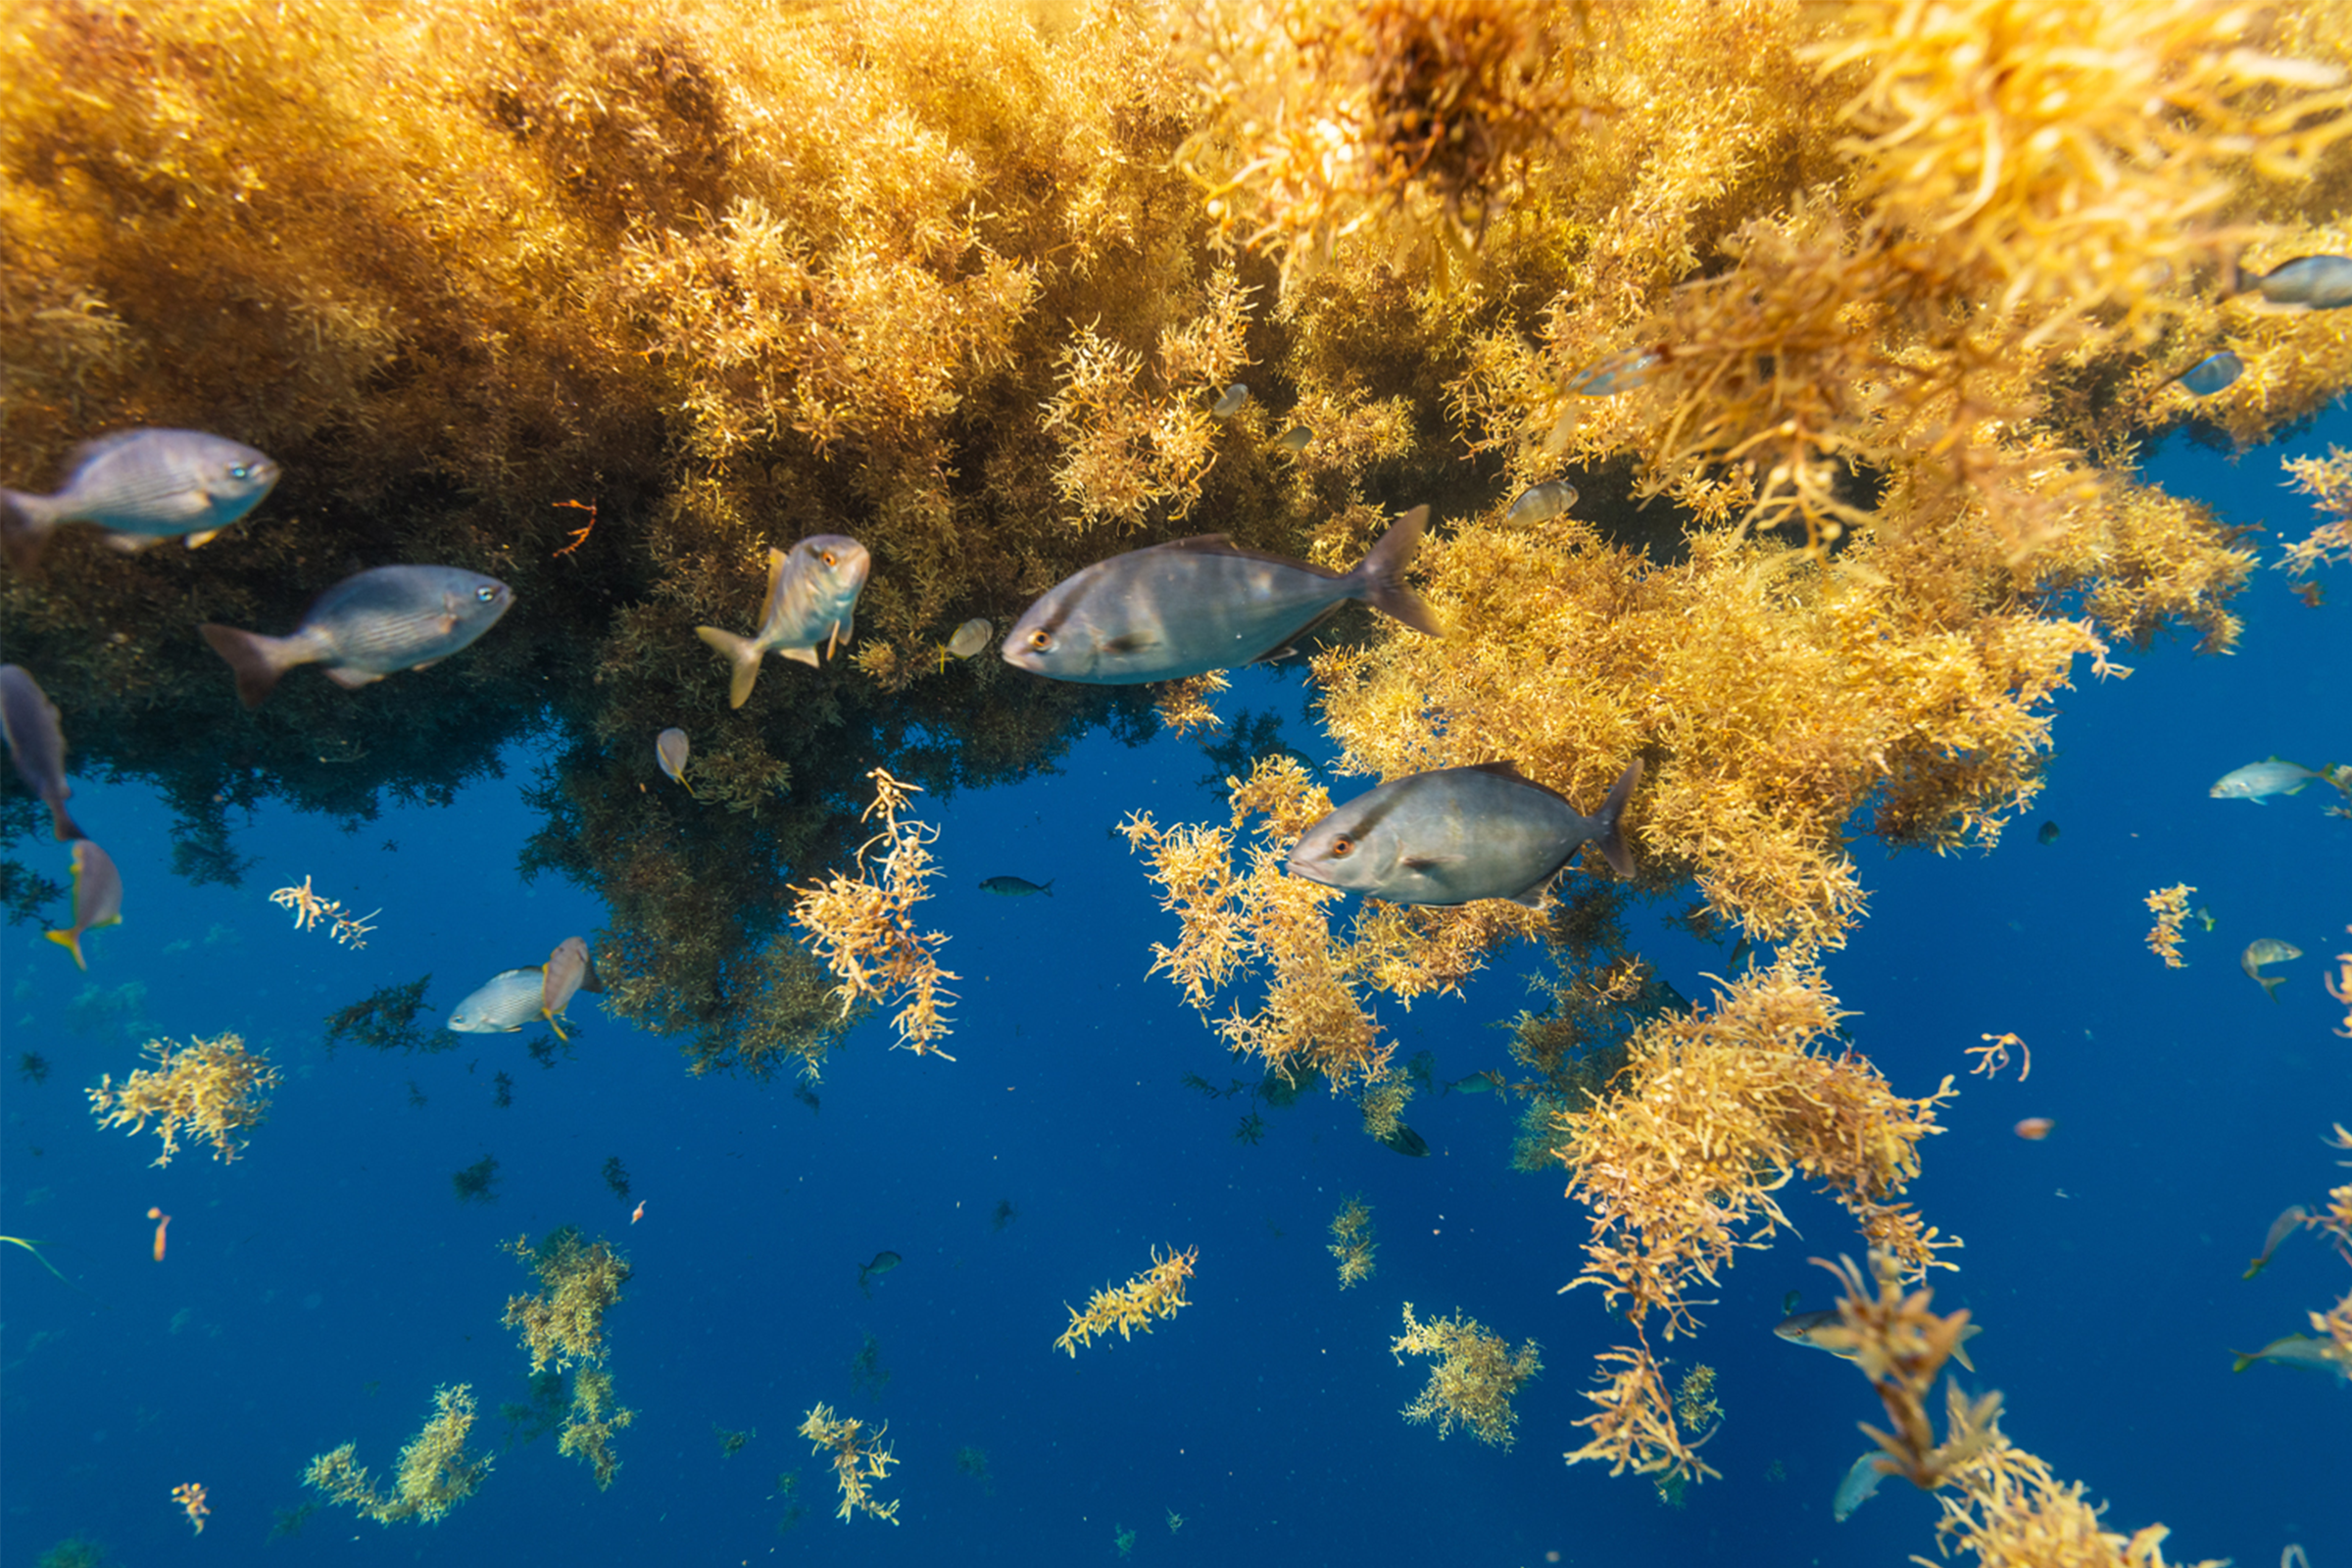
(562, 1322)
(1155, 1293)
(434, 1474)
(1475, 1377)
(862, 926)
(1351, 1242)
(215, 1090)
(858, 1461)
(386, 1020)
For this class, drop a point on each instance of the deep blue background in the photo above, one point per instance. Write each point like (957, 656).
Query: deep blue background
(318, 1289)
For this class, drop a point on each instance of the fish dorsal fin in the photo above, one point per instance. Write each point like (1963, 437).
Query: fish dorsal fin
(1219, 543)
(99, 446)
(1504, 768)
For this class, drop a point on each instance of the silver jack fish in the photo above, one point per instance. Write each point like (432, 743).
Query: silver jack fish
(142, 486)
(383, 621)
(37, 743)
(1184, 609)
(812, 597)
(1459, 834)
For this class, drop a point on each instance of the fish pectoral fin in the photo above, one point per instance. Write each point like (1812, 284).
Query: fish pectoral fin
(1130, 643)
(350, 679)
(1429, 863)
(199, 540)
(1532, 898)
(427, 664)
(802, 655)
(130, 543)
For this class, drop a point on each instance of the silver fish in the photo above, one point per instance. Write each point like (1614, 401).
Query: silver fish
(1540, 502)
(2309, 283)
(1229, 401)
(2211, 373)
(36, 742)
(567, 972)
(2300, 1350)
(971, 636)
(383, 620)
(2267, 950)
(1458, 834)
(1197, 605)
(2257, 780)
(1017, 887)
(142, 486)
(1805, 1328)
(97, 897)
(812, 597)
(670, 750)
(509, 999)
(1860, 1484)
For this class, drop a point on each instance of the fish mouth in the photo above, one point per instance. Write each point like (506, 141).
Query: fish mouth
(1301, 868)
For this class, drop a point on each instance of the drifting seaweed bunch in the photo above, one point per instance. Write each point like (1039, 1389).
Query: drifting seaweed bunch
(1635, 1429)
(1351, 1242)
(578, 1283)
(2170, 906)
(1474, 1379)
(594, 1417)
(386, 1019)
(863, 930)
(434, 1474)
(858, 1462)
(2329, 482)
(213, 1090)
(1155, 1293)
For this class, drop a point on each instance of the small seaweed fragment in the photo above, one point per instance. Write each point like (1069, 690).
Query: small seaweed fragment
(2170, 906)
(588, 1429)
(858, 1461)
(32, 1067)
(502, 1091)
(1474, 1379)
(477, 1183)
(617, 1177)
(863, 930)
(1156, 1292)
(731, 1443)
(1351, 1242)
(386, 1020)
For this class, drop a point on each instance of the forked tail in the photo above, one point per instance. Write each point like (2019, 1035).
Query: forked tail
(743, 658)
(24, 528)
(257, 661)
(1378, 577)
(1613, 847)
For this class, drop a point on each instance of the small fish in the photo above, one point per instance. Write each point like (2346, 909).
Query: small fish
(1229, 401)
(2211, 373)
(1618, 372)
(1810, 1329)
(1478, 1083)
(1789, 1302)
(162, 1225)
(972, 636)
(97, 897)
(1184, 609)
(1407, 1142)
(377, 624)
(1459, 834)
(2286, 1225)
(1540, 502)
(1295, 439)
(2298, 1349)
(1860, 1484)
(141, 487)
(637, 1213)
(567, 972)
(502, 1004)
(1013, 887)
(2048, 834)
(883, 1264)
(2258, 780)
(36, 743)
(812, 597)
(2309, 283)
(2203, 914)
(670, 751)
(2267, 950)
(2034, 1129)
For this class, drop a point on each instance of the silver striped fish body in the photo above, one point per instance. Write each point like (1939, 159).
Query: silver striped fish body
(504, 1005)
(812, 600)
(1179, 609)
(383, 620)
(1455, 835)
(2309, 283)
(36, 742)
(150, 484)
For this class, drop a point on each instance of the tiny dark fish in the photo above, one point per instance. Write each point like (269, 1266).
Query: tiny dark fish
(36, 743)
(1013, 887)
(1184, 609)
(883, 1264)
(1459, 834)
(377, 624)
(141, 487)
(1405, 1140)
(97, 898)
(812, 597)
(2048, 834)
(2211, 373)
(2309, 283)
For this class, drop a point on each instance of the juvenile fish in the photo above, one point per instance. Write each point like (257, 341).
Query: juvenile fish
(2289, 1220)
(1229, 401)
(1013, 887)
(2257, 781)
(1540, 502)
(812, 597)
(97, 898)
(1459, 834)
(2267, 950)
(1295, 439)
(971, 637)
(670, 750)
(1184, 609)
(142, 486)
(377, 624)
(1618, 372)
(1810, 1329)
(36, 743)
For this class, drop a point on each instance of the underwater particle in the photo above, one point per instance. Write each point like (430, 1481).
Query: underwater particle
(1475, 1377)
(2290, 1219)
(811, 598)
(213, 1090)
(2048, 834)
(97, 898)
(2258, 781)
(1540, 502)
(971, 637)
(2309, 283)
(858, 1462)
(1229, 401)
(1013, 887)
(670, 751)
(141, 487)
(477, 1182)
(386, 1019)
(2211, 373)
(163, 1224)
(1455, 835)
(1156, 1292)
(2034, 1129)
(2267, 950)
(434, 1474)
(1004, 1215)
(37, 743)
(190, 1497)
(1857, 1486)
(2170, 906)
(1173, 610)
(32, 1067)
(376, 623)
(883, 1264)
(617, 1177)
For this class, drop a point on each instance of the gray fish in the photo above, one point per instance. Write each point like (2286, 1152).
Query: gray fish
(2309, 283)
(971, 636)
(1805, 1328)
(670, 750)
(142, 486)
(1458, 834)
(1185, 608)
(1295, 439)
(2211, 373)
(502, 1006)
(1229, 401)
(2258, 780)
(36, 743)
(377, 624)
(567, 972)
(2267, 950)
(2300, 1350)
(1404, 1141)
(1540, 502)
(812, 597)
(1860, 1484)
(883, 1264)
(97, 897)
(2048, 834)
(2290, 1219)
(1013, 887)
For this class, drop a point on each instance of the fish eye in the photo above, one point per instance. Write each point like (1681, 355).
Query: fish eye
(1341, 847)
(241, 470)
(485, 594)
(1041, 640)
(827, 558)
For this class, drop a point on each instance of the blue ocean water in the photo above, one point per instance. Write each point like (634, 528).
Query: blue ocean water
(318, 1291)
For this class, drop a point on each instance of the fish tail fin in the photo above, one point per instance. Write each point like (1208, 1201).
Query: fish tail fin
(1046, 887)
(593, 981)
(70, 941)
(556, 1026)
(2271, 983)
(2243, 1362)
(1611, 841)
(1960, 1354)
(741, 655)
(1378, 577)
(255, 660)
(25, 527)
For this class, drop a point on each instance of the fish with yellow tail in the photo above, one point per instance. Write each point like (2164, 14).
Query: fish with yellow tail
(672, 748)
(1459, 834)
(513, 997)
(369, 625)
(141, 487)
(1175, 610)
(812, 597)
(97, 898)
(567, 972)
